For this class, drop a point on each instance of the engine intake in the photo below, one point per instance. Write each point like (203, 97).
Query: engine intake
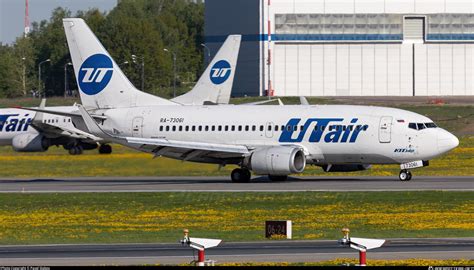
(278, 160)
(30, 143)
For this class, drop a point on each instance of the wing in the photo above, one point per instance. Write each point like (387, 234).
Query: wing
(184, 150)
(52, 130)
(55, 131)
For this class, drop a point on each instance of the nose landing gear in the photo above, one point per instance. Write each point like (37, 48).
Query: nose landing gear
(405, 175)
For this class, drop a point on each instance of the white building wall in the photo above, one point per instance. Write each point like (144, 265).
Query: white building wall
(301, 68)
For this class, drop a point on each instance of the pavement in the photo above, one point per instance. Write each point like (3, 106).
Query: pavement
(267, 251)
(223, 184)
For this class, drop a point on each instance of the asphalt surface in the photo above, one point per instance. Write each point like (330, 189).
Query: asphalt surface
(276, 251)
(223, 184)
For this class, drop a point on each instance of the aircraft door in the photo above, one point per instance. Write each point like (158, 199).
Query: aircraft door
(137, 127)
(269, 130)
(385, 129)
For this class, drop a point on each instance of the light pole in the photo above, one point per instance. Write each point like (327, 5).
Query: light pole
(39, 75)
(208, 53)
(24, 75)
(174, 70)
(65, 79)
(134, 59)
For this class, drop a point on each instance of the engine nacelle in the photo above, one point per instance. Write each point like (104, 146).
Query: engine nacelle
(278, 160)
(30, 143)
(346, 168)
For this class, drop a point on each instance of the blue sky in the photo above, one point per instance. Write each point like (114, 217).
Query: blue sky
(12, 13)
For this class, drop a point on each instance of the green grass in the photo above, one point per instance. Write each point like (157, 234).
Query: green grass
(126, 162)
(160, 217)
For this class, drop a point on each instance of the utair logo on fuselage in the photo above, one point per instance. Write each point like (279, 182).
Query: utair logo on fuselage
(14, 123)
(95, 74)
(220, 72)
(330, 130)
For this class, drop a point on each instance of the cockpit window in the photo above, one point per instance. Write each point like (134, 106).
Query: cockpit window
(420, 126)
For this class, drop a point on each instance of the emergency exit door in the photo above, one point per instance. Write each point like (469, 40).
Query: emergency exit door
(385, 129)
(137, 127)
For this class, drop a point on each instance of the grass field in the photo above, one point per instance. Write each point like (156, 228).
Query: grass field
(125, 162)
(370, 262)
(160, 217)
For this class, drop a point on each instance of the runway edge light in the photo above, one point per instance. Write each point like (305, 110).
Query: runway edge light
(360, 244)
(200, 244)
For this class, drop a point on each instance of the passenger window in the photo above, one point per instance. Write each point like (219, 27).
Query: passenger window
(247, 128)
(199, 128)
(161, 128)
(194, 128)
(233, 128)
(180, 128)
(295, 128)
(174, 128)
(219, 128)
(240, 128)
(187, 128)
(288, 128)
(282, 127)
(276, 128)
(213, 128)
(261, 128)
(254, 128)
(167, 128)
(226, 128)
(269, 128)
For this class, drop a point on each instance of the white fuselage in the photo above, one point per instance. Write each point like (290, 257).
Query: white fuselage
(14, 122)
(351, 134)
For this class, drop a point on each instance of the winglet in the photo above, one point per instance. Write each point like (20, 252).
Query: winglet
(39, 115)
(91, 124)
(304, 101)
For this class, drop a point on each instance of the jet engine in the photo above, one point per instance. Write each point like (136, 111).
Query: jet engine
(30, 143)
(346, 168)
(278, 160)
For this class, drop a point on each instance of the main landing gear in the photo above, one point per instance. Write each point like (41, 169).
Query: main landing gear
(105, 149)
(241, 175)
(405, 175)
(76, 150)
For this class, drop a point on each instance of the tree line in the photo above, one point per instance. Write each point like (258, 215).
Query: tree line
(143, 28)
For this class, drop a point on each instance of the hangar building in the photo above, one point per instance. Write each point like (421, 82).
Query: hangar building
(348, 47)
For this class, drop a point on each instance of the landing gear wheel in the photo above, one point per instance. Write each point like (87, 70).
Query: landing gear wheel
(240, 176)
(76, 150)
(105, 149)
(405, 175)
(278, 178)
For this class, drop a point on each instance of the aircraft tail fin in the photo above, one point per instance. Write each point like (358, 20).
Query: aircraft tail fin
(101, 82)
(215, 84)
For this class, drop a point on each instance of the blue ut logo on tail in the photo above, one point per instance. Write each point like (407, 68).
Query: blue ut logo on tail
(220, 72)
(95, 74)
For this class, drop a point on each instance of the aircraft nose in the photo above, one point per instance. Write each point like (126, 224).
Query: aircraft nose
(446, 141)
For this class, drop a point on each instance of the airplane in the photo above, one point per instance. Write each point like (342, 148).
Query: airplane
(272, 140)
(27, 132)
